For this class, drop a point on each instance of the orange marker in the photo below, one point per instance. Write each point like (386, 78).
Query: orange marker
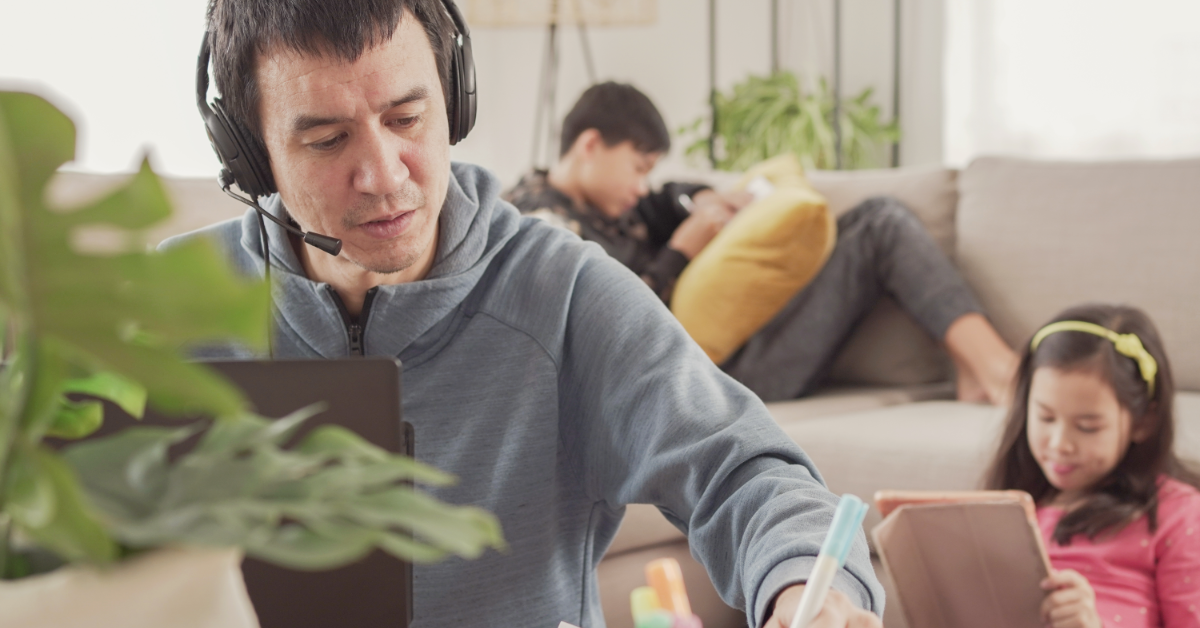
(666, 577)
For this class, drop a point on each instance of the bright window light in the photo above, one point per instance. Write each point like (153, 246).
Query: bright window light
(125, 72)
(1072, 79)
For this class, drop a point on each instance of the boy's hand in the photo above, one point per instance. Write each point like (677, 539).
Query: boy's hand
(733, 200)
(709, 216)
(1071, 602)
(837, 612)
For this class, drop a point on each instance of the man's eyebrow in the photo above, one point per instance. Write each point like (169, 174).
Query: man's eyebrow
(303, 123)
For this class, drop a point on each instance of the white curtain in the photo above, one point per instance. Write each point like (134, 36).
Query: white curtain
(1072, 79)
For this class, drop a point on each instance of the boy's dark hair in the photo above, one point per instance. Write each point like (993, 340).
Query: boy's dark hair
(620, 113)
(1131, 489)
(241, 30)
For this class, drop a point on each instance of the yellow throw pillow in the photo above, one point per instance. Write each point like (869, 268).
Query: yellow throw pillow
(757, 263)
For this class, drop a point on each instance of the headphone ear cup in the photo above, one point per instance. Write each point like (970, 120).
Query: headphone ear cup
(462, 80)
(242, 154)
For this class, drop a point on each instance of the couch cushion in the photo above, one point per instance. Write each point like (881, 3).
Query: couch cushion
(888, 348)
(757, 263)
(848, 399)
(1037, 237)
(643, 526)
(618, 575)
(198, 202)
(934, 445)
(931, 192)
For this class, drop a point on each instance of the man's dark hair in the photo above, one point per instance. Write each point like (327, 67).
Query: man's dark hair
(620, 113)
(240, 30)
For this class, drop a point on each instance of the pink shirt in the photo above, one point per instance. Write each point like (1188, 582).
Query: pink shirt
(1141, 579)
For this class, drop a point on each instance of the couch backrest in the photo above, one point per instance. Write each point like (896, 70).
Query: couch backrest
(1034, 238)
(888, 348)
(197, 201)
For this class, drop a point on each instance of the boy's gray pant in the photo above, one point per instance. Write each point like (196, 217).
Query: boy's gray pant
(882, 248)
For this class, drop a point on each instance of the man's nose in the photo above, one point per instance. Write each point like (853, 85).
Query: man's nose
(380, 169)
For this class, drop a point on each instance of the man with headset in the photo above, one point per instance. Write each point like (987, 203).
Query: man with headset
(544, 374)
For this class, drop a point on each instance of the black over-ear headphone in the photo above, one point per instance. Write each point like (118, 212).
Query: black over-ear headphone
(244, 159)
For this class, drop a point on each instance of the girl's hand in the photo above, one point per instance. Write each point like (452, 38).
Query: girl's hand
(1071, 602)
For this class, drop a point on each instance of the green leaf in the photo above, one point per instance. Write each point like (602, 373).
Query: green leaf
(334, 440)
(762, 117)
(127, 394)
(75, 420)
(88, 303)
(29, 494)
(405, 548)
(297, 547)
(71, 531)
(323, 503)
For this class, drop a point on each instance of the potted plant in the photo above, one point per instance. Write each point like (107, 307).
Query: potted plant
(762, 117)
(112, 326)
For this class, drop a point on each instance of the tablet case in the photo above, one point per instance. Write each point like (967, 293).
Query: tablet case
(974, 562)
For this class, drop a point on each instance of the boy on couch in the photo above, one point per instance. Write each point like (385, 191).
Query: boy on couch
(611, 140)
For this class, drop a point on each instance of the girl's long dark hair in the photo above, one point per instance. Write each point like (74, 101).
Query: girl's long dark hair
(1131, 489)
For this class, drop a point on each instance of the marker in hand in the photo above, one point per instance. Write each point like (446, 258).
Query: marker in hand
(846, 521)
(666, 578)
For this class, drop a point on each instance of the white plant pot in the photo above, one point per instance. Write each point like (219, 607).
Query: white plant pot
(179, 588)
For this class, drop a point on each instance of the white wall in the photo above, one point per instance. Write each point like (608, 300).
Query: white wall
(1073, 79)
(669, 61)
(124, 70)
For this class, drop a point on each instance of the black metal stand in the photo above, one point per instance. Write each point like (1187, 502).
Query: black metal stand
(712, 81)
(545, 116)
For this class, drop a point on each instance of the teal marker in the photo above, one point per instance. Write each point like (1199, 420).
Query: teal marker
(847, 519)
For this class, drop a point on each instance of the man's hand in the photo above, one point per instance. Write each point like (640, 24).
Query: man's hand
(837, 612)
(710, 212)
(1071, 603)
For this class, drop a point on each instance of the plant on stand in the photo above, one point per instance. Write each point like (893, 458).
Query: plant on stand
(112, 326)
(762, 117)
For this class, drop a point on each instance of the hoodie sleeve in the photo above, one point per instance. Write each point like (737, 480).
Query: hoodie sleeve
(650, 419)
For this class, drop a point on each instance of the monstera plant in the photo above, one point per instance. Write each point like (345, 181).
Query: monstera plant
(78, 327)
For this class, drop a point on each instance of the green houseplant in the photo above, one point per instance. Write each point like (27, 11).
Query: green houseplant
(762, 117)
(113, 326)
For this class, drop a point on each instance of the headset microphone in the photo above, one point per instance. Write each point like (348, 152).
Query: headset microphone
(332, 246)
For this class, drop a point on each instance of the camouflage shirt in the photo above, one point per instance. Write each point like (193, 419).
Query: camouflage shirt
(638, 239)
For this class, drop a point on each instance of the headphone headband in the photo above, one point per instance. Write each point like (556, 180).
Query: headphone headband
(1128, 345)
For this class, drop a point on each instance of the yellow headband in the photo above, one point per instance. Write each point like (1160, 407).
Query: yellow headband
(1126, 344)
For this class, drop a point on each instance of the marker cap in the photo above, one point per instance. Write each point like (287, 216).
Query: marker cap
(847, 519)
(666, 577)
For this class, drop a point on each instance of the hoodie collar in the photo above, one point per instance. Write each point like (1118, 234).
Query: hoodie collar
(474, 225)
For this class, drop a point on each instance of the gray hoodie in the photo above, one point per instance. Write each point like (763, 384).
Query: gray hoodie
(557, 387)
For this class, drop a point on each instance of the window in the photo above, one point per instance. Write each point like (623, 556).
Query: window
(122, 69)
(1072, 79)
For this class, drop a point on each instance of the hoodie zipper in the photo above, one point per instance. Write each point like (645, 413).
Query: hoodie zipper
(355, 328)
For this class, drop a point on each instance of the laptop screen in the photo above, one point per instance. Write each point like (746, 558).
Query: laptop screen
(363, 395)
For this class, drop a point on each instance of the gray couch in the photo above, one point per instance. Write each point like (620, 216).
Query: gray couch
(1030, 237)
